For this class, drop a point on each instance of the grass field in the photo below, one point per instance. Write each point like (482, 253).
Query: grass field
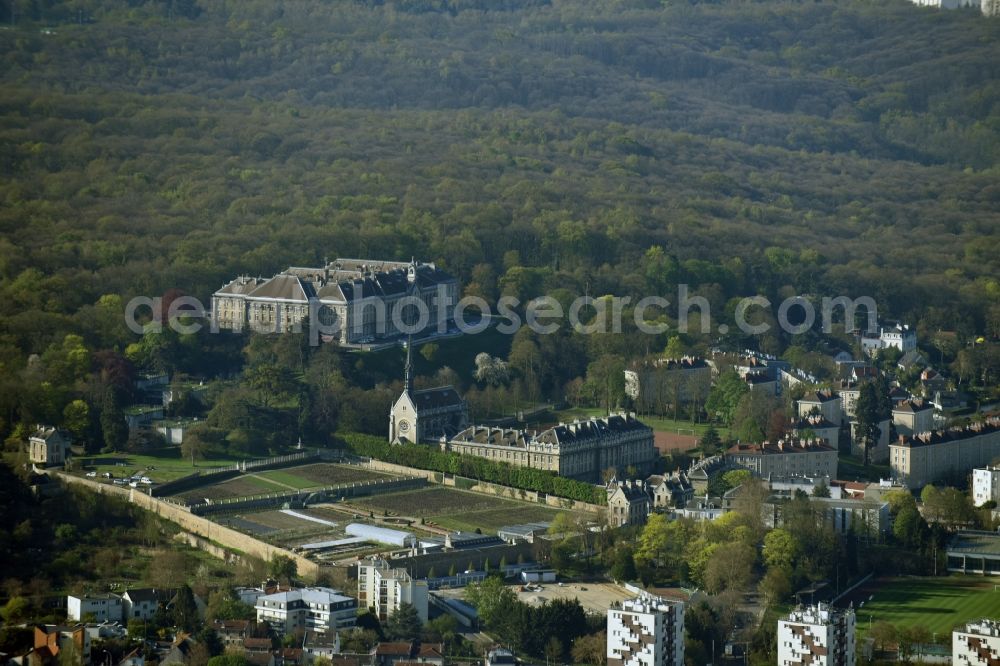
(458, 509)
(851, 468)
(167, 464)
(936, 603)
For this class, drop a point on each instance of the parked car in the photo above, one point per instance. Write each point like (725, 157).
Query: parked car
(92, 474)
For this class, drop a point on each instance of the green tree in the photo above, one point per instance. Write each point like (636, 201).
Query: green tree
(404, 623)
(113, 423)
(710, 442)
(554, 650)
(283, 568)
(15, 611)
(781, 549)
(591, 649)
(491, 599)
(229, 659)
(775, 586)
(623, 569)
(184, 610)
(868, 416)
(726, 395)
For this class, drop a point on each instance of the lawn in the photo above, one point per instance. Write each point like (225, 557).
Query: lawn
(288, 480)
(458, 509)
(851, 468)
(167, 464)
(936, 603)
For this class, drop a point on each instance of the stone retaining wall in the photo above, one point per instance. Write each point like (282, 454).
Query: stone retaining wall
(228, 538)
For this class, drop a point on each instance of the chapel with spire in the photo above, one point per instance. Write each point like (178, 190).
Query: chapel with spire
(426, 415)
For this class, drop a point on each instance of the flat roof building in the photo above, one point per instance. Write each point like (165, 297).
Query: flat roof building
(646, 631)
(976, 644)
(818, 635)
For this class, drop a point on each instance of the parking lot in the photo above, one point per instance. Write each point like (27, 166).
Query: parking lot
(594, 597)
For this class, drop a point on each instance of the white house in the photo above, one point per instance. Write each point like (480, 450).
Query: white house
(985, 485)
(140, 604)
(103, 607)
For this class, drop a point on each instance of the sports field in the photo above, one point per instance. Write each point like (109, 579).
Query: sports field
(936, 603)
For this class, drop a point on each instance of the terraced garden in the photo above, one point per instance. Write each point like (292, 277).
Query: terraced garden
(457, 509)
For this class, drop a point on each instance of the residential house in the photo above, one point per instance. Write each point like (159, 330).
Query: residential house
(316, 608)
(670, 490)
(52, 644)
(233, 632)
(404, 653)
(910, 360)
(816, 427)
(180, 650)
(95, 607)
(49, 446)
(629, 502)
(912, 416)
(826, 403)
(142, 603)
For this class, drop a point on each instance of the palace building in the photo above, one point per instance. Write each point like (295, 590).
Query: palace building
(357, 301)
(578, 450)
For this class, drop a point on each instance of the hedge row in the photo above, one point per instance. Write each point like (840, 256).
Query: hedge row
(474, 467)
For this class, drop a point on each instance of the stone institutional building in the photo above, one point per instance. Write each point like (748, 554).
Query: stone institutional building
(653, 384)
(359, 300)
(425, 415)
(817, 635)
(977, 643)
(785, 458)
(646, 631)
(928, 457)
(578, 450)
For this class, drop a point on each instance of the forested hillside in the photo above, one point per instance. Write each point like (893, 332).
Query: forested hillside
(620, 147)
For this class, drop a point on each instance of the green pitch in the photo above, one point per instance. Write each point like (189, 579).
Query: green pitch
(936, 603)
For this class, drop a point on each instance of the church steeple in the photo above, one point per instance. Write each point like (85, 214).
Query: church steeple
(408, 380)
